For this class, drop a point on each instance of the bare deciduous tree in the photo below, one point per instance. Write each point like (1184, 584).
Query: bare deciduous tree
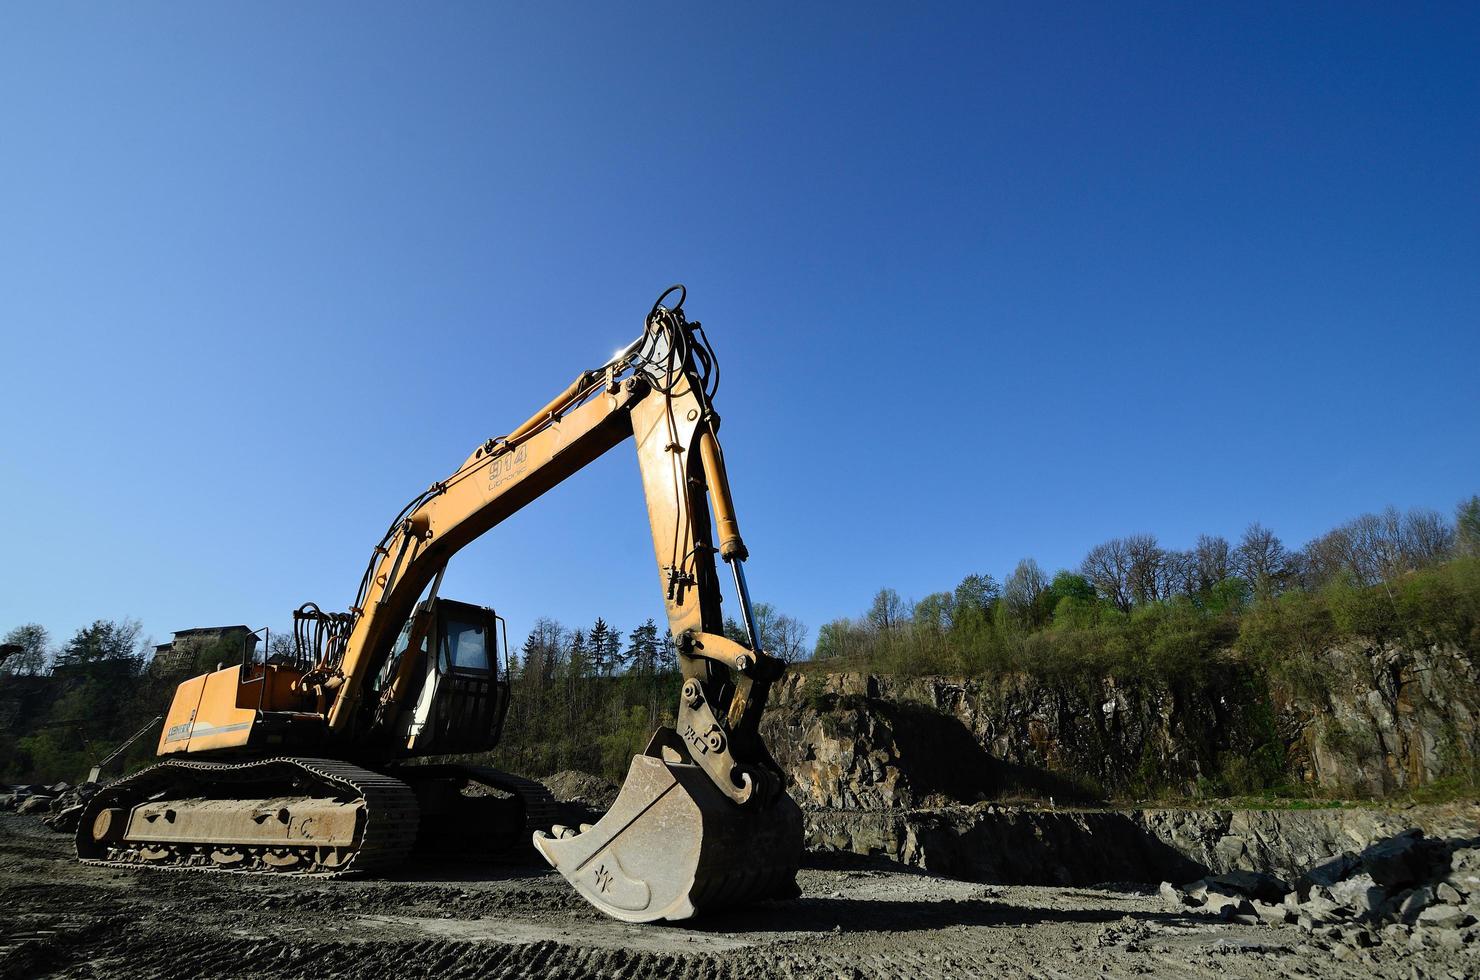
(1262, 560)
(1383, 538)
(1427, 537)
(788, 638)
(888, 610)
(781, 635)
(282, 648)
(1107, 567)
(1376, 548)
(1179, 574)
(1145, 559)
(765, 616)
(1025, 586)
(1214, 559)
(1326, 558)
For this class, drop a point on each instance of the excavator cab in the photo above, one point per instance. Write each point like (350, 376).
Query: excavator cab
(463, 695)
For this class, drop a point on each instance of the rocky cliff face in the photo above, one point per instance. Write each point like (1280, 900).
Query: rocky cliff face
(916, 769)
(1383, 720)
(853, 742)
(1391, 719)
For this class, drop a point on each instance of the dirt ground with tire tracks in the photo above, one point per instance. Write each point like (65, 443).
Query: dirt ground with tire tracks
(60, 919)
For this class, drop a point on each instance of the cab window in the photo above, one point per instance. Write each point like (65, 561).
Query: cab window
(463, 646)
(388, 669)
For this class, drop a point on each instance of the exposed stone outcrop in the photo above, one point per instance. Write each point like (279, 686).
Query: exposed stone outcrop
(1394, 719)
(1286, 842)
(1004, 845)
(1038, 845)
(846, 745)
(1383, 720)
(918, 770)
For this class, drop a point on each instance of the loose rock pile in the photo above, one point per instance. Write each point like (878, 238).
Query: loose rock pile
(1412, 889)
(58, 805)
(573, 786)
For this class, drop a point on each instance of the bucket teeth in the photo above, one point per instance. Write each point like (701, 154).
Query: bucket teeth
(558, 832)
(672, 846)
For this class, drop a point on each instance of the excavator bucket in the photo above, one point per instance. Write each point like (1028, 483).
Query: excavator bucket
(673, 845)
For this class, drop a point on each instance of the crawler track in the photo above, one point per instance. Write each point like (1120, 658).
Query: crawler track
(540, 808)
(386, 833)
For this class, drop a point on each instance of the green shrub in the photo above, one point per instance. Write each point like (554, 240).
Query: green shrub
(1357, 611)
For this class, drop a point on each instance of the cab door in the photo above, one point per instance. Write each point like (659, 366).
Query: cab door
(464, 697)
(473, 695)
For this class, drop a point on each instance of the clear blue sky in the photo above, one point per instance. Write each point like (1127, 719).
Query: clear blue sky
(986, 281)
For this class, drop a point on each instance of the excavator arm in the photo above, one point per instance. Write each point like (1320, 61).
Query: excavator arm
(657, 393)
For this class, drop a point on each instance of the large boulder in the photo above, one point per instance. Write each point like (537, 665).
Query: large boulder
(1359, 894)
(1253, 884)
(1464, 871)
(1413, 903)
(64, 820)
(1242, 896)
(1227, 906)
(1444, 917)
(35, 804)
(1404, 860)
(1327, 873)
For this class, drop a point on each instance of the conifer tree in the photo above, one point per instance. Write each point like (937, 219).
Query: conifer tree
(600, 638)
(642, 649)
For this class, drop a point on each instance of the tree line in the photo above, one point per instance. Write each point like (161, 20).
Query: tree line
(102, 640)
(600, 651)
(588, 697)
(1136, 579)
(585, 698)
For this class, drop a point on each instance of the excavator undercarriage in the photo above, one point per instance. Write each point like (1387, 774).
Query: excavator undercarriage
(289, 815)
(306, 763)
(298, 815)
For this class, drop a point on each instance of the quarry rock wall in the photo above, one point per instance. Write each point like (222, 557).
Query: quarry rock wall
(1383, 721)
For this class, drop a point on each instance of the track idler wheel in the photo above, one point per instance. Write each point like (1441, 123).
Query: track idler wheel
(673, 845)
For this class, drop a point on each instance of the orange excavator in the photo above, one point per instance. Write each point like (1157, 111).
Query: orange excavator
(300, 762)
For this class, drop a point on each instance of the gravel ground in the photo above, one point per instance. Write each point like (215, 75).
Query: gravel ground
(60, 919)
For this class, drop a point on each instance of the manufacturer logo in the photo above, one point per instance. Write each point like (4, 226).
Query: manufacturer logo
(502, 469)
(696, 740)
